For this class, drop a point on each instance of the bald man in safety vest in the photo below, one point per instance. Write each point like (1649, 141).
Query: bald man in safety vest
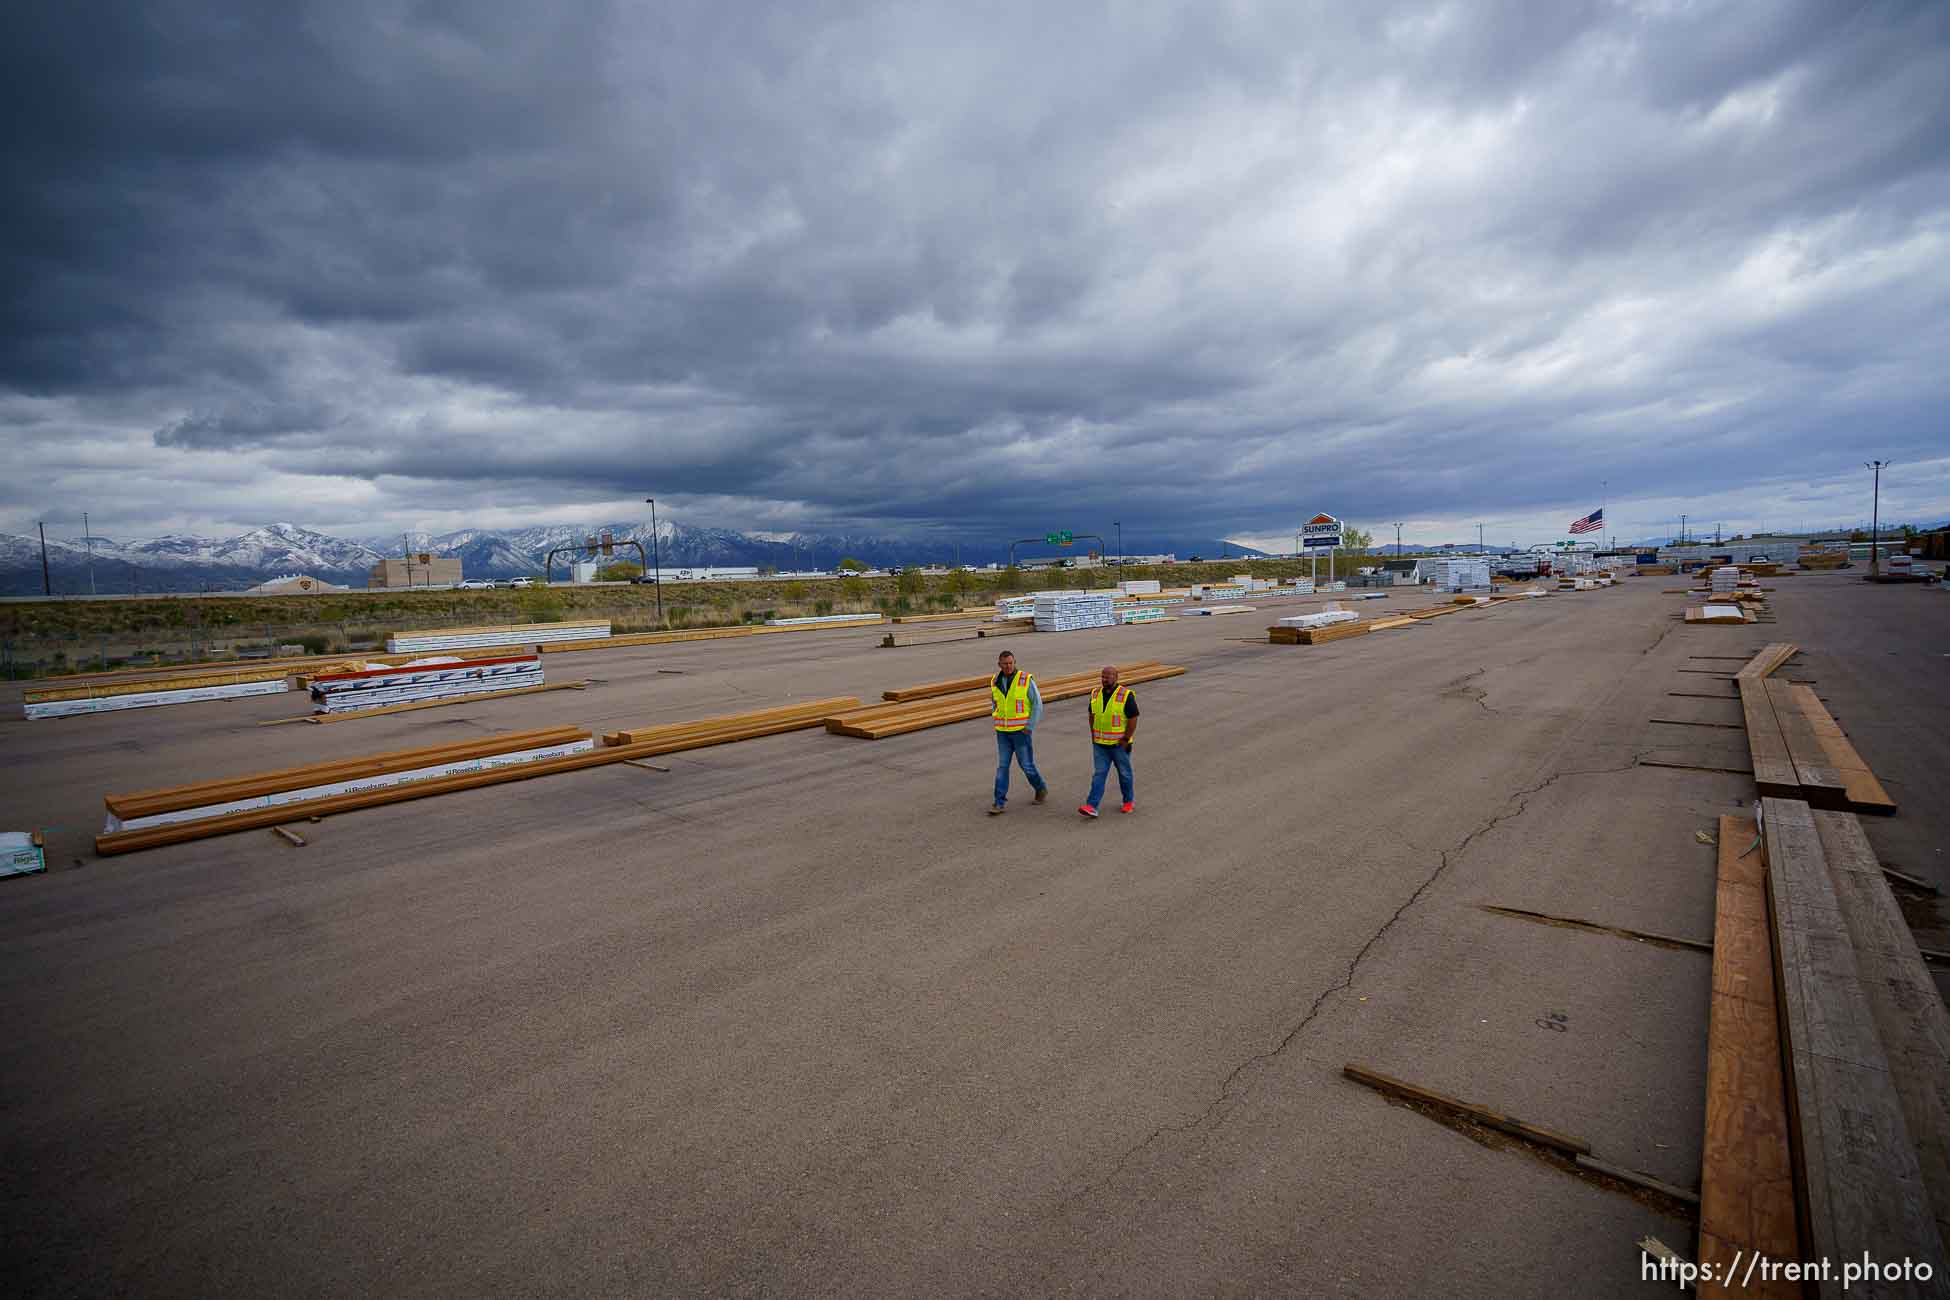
(1113, 726)
(1017, 708)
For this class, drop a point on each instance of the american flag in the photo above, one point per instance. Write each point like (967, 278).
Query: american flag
(1591, 523)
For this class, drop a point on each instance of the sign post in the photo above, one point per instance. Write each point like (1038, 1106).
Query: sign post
(1321, 530)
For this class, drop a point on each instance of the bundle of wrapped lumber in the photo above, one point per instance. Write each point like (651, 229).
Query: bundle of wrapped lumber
(1320, 618)
(1071, 611)
(212, 799)
(431, 679)
(706, 633)
(152, 692)
(916, 713)
(520, 634)
(824, 620)
(1729, 614)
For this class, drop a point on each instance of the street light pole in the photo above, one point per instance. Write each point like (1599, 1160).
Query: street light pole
(1398, 541)
(1875, 516)
(47, 584)
(656, 559)
(1119, 526)
(88, 538)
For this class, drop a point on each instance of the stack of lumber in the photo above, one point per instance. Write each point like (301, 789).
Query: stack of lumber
(206, 800)
(414, 683)
(130, 840)
(1865, 1036)
(1731, 615)
(670, 737)
(957, 617)
(1656, 570)
(929, 636)
(1799, 752)
(704, 634)
(1005, 629)
(878, 721)
(928, 690)
(1060, 611)
(1151, 613)
(1277, 635)
(824, 620)
(154, 691)
(1320, 618)
(1824, 560)
(517, 634)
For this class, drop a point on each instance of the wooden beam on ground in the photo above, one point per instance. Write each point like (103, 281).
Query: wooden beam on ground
(1774, 771)
(1747, 1201)
(1861, 791)
(1910, 1017)
(701, 733)
(1821, 785)
(1769, 658)
(925, 690)
(1858, 1180)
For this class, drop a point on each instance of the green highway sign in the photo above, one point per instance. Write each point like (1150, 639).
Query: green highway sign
(1059, 539)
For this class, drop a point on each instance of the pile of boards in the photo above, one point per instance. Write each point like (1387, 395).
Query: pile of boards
(963, 699)
(1827, 1098)
(153, 692)
(698, 733)
(519, 634)
(1072, 611)
(414, 683)
(1728, 615)
(704, 634)
(1799, 752)
(185, 812)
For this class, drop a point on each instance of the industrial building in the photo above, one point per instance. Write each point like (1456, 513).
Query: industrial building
(415, 571)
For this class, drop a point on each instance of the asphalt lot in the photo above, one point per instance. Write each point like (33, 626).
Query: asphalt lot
(798, 1017)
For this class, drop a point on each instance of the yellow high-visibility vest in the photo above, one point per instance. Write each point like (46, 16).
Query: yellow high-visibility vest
(1107, 717)
(1011, 710)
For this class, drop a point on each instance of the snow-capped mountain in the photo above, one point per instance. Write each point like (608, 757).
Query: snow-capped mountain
(184, 563)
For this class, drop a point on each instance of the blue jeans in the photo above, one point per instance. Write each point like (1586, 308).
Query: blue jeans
(1101, 757)
(1016, 745)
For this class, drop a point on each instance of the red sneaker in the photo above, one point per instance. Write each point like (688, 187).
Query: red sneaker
(1087, 810)
(1129, 807)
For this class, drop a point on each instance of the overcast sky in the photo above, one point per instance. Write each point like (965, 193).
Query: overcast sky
(1205, 268)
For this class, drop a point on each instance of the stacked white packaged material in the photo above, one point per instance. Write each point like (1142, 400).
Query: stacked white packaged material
(1301, 587)
(1140, 587)
(1071, 611)
(1011, 608)
(1325, 618)
(1219, 591)
(1726, 578)
(410, 683)
(465, 638)
(152, 699)
(1144, 614)
(1459, 575)
(824, 618)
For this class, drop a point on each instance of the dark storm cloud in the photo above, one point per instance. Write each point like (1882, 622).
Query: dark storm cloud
(965, 267)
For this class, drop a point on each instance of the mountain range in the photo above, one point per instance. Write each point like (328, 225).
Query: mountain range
(180, 563)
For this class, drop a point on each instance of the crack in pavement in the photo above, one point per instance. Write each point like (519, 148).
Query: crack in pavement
(1214, 1112)
(1459, 689)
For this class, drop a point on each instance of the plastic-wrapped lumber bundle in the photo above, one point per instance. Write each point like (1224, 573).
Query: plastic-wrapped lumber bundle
(521, 634)
(1139, 587)
(1325, 618)
(425, 680)
(1460, 574)
(1011, 608)
(1145, 614)
(1726, 578)
(1059, 611)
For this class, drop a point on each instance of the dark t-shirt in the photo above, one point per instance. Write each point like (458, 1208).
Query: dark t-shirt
(1130, 703)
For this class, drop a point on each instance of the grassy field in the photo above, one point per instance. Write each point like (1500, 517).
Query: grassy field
(53, 636)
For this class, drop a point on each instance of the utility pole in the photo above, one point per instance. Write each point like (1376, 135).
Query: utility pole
(88, 539)
(1398, 540)
(406, 550)
(1682, 530)
(1118, 524)
(47, 584)
(1479, 539)
(657, 559)
(1875, 516)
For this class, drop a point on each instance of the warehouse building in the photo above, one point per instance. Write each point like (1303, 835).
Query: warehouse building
(415, 571)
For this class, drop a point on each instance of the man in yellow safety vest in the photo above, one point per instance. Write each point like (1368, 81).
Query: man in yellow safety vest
(1017, 708)
(1113, 726)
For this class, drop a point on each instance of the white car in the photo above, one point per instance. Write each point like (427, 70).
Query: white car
(476, 584)
(521, 582)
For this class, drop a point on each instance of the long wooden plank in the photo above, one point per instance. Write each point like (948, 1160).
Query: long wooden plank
(201, 794)
(1769, 658)
(1910, 1016)
(1863, 792)
(1746, 1168)
(1821, 785)
(1774, 771)
(878, 722)
(807, 713)
(1858, 1182)
(926, 689)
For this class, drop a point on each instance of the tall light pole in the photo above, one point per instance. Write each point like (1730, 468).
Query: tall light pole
(88, 539)
(656, 559)
(1119, 526)
(1398, 541)
(1479, 539)
(47, 584)
(1875, 516)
